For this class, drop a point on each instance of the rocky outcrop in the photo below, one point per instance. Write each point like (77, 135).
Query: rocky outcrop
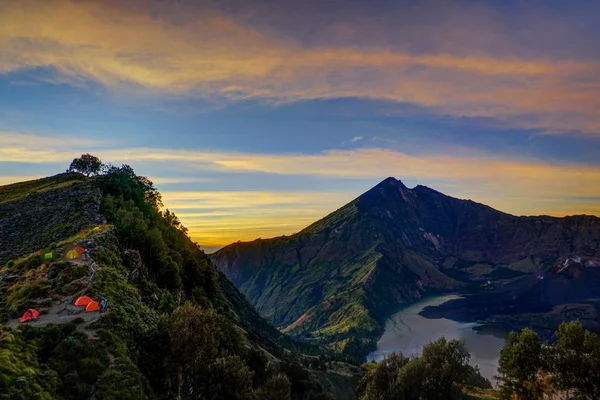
(39, 219)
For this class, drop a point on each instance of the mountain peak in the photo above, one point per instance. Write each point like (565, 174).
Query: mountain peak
(391, 181)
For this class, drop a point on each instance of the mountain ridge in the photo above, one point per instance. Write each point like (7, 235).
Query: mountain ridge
(338, 279)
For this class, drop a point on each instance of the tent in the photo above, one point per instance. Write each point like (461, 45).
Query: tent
(80, 250)
(48, 256)
(73, 254)
(92, 306)
(30, 315)
(83, 301)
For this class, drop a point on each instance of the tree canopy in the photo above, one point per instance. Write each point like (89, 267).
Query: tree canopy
(87, 165)
(530, 369)
(440, 372)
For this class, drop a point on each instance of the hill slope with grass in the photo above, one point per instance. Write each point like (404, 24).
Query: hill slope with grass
(339, 279)
(175, 326)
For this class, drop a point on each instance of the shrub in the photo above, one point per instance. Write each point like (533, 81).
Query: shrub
(21, 294)
(440, 373)
(33, 261)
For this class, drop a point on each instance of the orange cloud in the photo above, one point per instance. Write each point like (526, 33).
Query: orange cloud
(213, 54)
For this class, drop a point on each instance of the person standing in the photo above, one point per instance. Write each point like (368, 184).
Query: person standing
(103, 305)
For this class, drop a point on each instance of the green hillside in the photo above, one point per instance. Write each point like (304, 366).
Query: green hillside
(20, 190)
(175, 327)
(37, 213)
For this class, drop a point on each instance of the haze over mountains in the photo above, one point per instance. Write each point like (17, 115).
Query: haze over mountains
(341, 277)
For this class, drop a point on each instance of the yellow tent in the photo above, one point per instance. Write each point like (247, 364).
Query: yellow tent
(73, 254)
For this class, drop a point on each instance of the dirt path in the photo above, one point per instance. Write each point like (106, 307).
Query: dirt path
(59, 313)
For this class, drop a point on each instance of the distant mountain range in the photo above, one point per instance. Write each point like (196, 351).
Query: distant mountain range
(340, 278)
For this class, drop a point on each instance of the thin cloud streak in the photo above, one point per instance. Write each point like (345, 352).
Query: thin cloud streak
(484, 170)
(215, 56)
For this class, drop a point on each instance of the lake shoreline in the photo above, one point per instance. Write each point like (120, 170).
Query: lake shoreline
(408, 330)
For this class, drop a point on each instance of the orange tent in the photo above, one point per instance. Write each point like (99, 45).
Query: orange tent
(30, 315)
(80, 250)
(83, 301)
(92, 306)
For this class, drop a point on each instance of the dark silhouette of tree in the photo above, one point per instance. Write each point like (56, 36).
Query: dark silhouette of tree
(87, 165)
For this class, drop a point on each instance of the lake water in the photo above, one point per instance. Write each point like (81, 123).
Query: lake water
(407, 332)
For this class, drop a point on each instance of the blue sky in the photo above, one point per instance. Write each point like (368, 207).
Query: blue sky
(256, 118)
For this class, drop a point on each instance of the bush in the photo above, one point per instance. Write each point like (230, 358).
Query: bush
(31, 262)
(440, 373)
(21, 294)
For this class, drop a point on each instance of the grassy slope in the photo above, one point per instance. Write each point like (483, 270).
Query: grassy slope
(37, 213)
(20, 190)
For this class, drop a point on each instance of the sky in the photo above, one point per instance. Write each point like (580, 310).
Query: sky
(256, 118)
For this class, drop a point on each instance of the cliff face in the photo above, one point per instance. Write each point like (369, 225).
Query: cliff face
(48, 210)
(391, 246)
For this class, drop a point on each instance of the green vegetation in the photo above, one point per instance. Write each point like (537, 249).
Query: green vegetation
(441, 372)
(86, 165)
(176, 327)
(530, 369)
